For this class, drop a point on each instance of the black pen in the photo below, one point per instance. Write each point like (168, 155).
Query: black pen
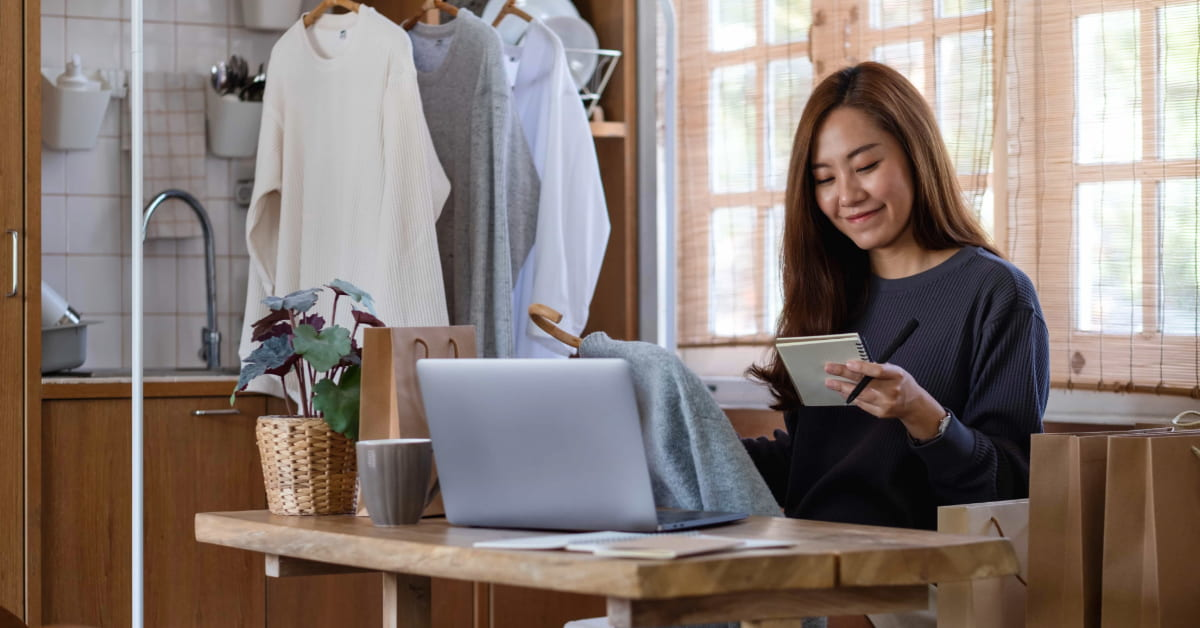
(909, 327)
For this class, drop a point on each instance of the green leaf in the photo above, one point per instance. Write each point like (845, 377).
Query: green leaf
(322, 349)
(269, 355)
(339, 402)
(354, 292)
(299, 301)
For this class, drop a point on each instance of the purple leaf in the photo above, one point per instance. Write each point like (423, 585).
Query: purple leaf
(282, 329)
(284, 368)
(367, 318)
(267, 321)
(316, 320)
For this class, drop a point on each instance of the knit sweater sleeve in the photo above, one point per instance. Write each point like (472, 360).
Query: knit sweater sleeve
(984, 453)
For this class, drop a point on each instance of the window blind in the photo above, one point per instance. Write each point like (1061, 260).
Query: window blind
(1073, 126)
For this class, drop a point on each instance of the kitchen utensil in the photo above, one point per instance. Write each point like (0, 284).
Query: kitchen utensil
(238, 73)
(220, 77)
(253, 91)
(55, 309)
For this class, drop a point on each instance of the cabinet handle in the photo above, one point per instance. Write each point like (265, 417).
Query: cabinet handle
(215, 412)
(16, 261)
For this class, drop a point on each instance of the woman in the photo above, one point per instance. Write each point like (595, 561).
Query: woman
(877, 233)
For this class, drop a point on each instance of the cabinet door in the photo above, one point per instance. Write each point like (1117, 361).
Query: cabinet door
(200, 463)
(192, 464)
(15, 275)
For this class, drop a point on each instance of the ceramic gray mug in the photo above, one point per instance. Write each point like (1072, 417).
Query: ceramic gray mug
(394, 477)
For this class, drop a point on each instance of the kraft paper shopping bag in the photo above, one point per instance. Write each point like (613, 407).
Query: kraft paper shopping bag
(1151, 538)
(391, 405)
(986, 602)
(1066, 528)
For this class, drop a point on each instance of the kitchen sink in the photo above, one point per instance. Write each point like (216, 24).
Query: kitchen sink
(225, 371)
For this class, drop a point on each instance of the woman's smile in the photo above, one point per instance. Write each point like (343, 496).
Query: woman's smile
(862, 217)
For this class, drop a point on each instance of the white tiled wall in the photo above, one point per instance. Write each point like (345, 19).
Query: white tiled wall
(85, 220)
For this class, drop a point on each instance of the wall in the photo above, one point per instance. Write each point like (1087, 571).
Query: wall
(85, 219)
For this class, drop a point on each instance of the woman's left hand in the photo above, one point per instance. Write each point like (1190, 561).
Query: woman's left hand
(892, 393)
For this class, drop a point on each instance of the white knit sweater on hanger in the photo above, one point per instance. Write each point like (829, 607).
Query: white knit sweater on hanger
(347, 184)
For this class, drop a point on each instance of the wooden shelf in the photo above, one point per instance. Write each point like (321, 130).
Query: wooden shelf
(607, 129)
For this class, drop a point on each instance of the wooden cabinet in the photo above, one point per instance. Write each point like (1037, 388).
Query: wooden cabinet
(20, 319)
(193, 463)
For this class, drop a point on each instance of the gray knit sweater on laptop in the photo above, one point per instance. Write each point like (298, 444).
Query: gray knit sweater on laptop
(696, 460)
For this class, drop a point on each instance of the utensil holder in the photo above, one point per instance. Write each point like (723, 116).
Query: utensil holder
(71, 118)
(231, 125)
(270, 15)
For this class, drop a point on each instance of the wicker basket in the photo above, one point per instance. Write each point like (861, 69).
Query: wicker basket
(308, 468)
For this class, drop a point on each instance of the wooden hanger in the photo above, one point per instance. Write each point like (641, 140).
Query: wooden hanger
(326, 5)
(546, 317)
(510, 8)
(426, 8)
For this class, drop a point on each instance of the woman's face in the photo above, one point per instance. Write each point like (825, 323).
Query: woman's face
(863, 181)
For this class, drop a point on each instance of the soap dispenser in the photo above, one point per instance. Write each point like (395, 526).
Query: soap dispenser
(73, 78)
(73, 107)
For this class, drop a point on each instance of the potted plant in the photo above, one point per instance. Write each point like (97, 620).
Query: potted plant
(308, 456)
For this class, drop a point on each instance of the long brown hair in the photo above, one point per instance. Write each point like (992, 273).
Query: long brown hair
(825, 275)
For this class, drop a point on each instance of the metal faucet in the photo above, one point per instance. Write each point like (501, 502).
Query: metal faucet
(210, 337)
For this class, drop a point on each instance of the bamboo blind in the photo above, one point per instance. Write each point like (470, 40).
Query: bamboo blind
(1073, 125)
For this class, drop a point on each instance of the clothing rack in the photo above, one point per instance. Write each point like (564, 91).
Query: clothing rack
(510, 8)
(311, 16)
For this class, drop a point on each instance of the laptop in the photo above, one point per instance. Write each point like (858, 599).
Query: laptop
(543, 444)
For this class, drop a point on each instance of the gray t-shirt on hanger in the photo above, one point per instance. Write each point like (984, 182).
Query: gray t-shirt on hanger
(488, 224)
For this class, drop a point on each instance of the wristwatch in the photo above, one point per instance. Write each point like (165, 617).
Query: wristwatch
(942, 425)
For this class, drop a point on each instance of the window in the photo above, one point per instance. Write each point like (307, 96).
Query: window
(1091, 183)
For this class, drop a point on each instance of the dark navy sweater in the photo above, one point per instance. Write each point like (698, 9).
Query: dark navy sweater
(981, 350)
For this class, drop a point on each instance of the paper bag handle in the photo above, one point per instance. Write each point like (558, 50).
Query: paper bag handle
(996, 524)
(453, 345)
(1182, 422)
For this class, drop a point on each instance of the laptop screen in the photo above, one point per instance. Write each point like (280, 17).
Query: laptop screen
(549, 444)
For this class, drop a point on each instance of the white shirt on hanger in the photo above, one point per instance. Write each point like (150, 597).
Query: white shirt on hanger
(573, 226)
(347, 183)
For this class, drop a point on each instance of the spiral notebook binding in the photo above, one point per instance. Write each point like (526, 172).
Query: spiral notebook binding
(862, 351)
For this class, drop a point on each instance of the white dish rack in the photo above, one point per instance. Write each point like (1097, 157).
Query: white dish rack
(606, 63)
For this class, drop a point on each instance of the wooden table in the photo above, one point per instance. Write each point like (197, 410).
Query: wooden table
(834, 569)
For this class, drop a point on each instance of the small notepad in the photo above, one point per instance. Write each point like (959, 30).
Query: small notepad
(666, 547)
(805, 359)
(662, 545)
(574, 541)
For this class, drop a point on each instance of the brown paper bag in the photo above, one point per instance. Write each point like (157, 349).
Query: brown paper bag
(987, 602)
(1066, 528)
(390, 406)
(1152, 532)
